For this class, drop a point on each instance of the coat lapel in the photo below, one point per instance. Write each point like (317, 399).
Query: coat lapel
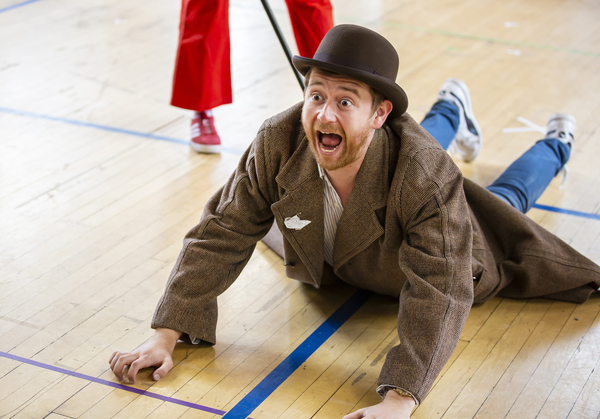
(303, 197)
(359, 227)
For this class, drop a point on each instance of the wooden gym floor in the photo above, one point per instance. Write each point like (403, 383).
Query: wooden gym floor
(98, 187)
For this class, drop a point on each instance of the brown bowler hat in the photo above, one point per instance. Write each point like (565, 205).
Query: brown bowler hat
(361, 54)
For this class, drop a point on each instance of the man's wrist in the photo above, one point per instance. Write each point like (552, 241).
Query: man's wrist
(168, 336)
(404, 403)
(384, 389)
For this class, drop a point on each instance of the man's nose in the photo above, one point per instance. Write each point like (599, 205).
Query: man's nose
(327, 113)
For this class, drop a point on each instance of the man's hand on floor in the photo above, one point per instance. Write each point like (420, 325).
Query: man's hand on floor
(393, 406)
(156, 352)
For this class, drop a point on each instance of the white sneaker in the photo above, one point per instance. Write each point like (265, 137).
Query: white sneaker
(468, 140)
(562, 126)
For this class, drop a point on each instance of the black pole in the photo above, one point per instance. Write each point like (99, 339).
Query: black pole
(284, 45)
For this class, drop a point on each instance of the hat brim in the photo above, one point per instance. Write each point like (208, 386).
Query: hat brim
(387, 88)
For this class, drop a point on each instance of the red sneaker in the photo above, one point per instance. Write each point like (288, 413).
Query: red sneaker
(204, 135)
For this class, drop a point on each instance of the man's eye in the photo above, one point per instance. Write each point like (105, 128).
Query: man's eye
(345, 102)
(316, 96)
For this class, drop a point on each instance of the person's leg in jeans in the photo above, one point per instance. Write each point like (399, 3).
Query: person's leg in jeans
(524, 181)
(451, 120)
(442, 122)
(452, 123)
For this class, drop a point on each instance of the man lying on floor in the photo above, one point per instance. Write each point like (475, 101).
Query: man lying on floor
(363, 193)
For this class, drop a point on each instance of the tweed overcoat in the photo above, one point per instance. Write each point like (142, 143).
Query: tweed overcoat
(413, 228)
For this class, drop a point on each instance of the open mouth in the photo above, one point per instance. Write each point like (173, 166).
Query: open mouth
(328, 141)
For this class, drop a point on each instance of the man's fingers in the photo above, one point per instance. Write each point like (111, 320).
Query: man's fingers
(138, 364)
(114, 357)
(119, 361)
(164, 369)
(113, 363)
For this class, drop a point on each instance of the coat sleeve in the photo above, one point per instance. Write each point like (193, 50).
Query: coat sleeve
(435, 256)
(217, 249)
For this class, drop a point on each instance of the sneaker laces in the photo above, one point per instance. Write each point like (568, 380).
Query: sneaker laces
(207, 125)
(468, 141)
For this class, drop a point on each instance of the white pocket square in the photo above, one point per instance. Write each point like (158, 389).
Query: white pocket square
(295, 223)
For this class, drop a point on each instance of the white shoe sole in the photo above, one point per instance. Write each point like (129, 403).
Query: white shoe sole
(208, 149)
(469, 116)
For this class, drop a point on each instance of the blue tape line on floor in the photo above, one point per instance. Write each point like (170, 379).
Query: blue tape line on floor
(298, 357)
(112, 384)
(14, 6)
(109, 128)
(567, 211)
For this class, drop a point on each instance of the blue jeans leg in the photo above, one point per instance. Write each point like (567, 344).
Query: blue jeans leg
(442, 122)
(524, 181)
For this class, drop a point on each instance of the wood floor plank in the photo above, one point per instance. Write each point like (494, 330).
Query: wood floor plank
(83, 400)
(492, 369)
(109, 406)
(136, 215)
(45, 403)
(22, 397)
(17, 377)
(442, 397)
(140, 237)
(103, 202)
(589, 398)
(543, 381)
(523, 366)
(575, 376)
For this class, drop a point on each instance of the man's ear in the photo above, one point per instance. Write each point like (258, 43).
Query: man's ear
(382, 113)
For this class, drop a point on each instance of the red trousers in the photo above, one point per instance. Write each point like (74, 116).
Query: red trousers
(202, 76)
